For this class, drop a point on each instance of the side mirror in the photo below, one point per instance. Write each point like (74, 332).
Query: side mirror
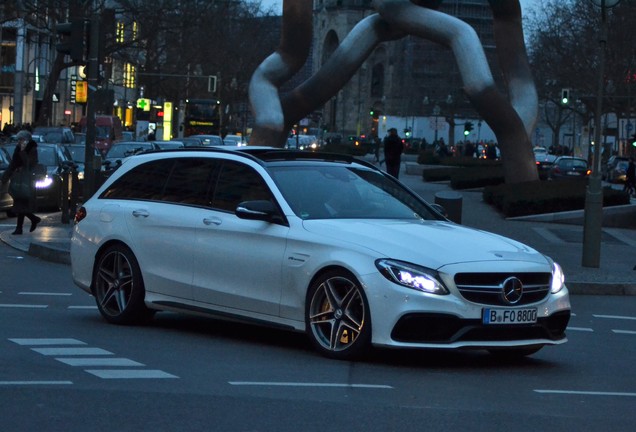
(263, 210)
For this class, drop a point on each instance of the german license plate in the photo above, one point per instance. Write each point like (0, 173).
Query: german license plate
(509, 316)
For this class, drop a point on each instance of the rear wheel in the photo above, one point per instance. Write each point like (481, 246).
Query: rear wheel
(118, 287)
(337, 316)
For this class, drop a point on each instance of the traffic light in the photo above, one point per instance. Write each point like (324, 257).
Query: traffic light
(407, 132)
(468, 127)
(72, 39)
(371, 112)
(634, 140)
(565, 96)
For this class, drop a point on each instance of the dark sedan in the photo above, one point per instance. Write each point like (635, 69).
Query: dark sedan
(124, 149)
(57, 160)
(567, 167)
(6, 202)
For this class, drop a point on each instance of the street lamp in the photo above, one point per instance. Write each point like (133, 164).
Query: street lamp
(594, 193)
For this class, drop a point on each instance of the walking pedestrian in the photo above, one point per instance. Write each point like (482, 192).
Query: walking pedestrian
(23, 163)
(630, 177)
(393, 149)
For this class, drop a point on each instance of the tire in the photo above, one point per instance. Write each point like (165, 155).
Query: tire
(337, 316)
(119, 288)
(515, 353)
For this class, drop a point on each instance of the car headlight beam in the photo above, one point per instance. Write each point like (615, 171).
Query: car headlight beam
(411, 276)
(558, 279)
(44, 183)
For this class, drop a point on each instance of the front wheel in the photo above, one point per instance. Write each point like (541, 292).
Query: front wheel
(337, 316)
(119, 288)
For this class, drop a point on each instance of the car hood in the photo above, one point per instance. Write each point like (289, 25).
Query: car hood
(429, 243)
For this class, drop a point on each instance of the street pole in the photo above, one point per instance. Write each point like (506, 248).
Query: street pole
(90, 170)
(593, 220)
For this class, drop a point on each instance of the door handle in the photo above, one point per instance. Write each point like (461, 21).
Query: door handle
(212, 221)
(140, 213)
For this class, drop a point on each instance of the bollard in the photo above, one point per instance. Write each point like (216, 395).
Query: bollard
(64, 196)
(452, 202)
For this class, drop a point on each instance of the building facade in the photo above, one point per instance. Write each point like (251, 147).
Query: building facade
(407, 78)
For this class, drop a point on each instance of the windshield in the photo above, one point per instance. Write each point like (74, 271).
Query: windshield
(77, 152)
(46, 156)
(335, 192)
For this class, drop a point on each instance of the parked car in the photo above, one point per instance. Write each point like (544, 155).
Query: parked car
(78, 154)
(567, 167)
(169, 145)
(55, 135)
(124, 149)
(234, 140)
(323, 244)
(13, 139)
(204, 141)
(48, 189)
(544, 160)
(615, 169)
(6, 202)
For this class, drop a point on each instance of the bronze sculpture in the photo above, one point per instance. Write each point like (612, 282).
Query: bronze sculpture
(512, 117)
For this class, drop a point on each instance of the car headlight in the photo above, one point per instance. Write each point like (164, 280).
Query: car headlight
(411, 276)
(44, 183)
(558, 278)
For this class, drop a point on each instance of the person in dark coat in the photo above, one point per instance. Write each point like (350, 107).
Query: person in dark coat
(25, 157)
(393, 149)
(630, 177)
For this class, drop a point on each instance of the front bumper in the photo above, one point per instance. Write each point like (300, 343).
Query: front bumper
(404, 317)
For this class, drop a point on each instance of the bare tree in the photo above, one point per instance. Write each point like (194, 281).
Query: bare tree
(564, 41)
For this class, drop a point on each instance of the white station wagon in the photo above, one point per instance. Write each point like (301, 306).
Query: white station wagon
(323, 244)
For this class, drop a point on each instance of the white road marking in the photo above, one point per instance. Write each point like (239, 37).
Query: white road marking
(129, 374)
(63, 355)
(10, 383)
(25, 306)
(82, 307)
(300, 384)
(585, 329)
(588, 393)
(44, 293)
(99, 361)
(625, 332)
(614, 317)
(48, 341)
(71, 351)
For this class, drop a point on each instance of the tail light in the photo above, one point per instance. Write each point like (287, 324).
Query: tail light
(588, 172)
(79, 215)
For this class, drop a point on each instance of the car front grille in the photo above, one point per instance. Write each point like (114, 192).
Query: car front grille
(486, 288)
(444, 328)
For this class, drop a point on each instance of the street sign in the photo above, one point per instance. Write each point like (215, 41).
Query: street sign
(143, 104)
(437, 123)
(81, 91)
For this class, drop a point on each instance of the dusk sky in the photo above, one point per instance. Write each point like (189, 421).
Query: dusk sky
(279, 4)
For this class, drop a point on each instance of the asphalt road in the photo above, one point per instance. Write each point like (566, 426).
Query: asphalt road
(63, 368)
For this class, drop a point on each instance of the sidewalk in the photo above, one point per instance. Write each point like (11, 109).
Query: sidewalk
(561, 241)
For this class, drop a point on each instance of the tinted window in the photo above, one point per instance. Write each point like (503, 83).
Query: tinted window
(144, 182)
(182, 181)
(189, 181)
(236, 183)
